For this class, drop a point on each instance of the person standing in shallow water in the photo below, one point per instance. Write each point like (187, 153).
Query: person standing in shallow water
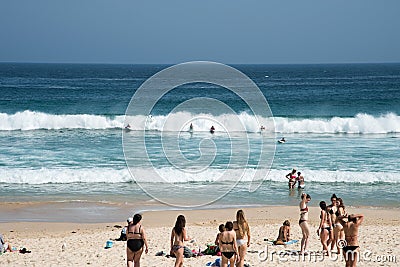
(292, 178)
(303, 222)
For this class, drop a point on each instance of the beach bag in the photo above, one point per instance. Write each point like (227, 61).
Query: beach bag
(187, 253)
(211, 250)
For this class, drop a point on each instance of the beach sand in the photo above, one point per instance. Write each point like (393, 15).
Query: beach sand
(85, 242)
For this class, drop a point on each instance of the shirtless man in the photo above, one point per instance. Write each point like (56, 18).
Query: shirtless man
(350, 226)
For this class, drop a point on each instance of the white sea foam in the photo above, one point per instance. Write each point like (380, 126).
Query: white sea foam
(169, 175)
(361, 123)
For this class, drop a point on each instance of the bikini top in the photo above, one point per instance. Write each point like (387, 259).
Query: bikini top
(305, 209)
(138, 233)
(227, 243)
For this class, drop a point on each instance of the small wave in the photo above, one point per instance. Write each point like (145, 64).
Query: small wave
(170, 175)
(175, 122)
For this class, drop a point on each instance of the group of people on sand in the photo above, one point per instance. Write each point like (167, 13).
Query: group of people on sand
(232, 240)
(336, 228)
(295, 178)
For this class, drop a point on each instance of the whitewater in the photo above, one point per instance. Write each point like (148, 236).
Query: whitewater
(359, 124)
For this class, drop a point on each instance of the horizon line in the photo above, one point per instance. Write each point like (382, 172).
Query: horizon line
(125, 63)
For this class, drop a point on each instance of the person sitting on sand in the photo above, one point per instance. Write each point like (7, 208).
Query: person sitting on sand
(350, 224)
(136, 237)
(4, 246)
(122, 236)
(221, 229)
(284, 234)
(242, 230)
(178, 236)
(228, 246)
(292, 178)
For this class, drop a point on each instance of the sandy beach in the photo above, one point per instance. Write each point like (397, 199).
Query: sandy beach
(85, 242)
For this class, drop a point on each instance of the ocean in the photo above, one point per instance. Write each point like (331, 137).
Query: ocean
(63, 137)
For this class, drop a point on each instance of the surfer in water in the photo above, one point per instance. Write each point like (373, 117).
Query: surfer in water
(212, 129)
(282, 140)
(191, 128)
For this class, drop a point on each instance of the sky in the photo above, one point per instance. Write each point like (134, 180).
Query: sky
(226, 31)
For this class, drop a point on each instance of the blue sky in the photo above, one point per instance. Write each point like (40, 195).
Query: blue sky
(170, 31)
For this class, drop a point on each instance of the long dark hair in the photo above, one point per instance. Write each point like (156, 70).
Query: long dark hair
(322, 205)
(180, 224)
(136, 218)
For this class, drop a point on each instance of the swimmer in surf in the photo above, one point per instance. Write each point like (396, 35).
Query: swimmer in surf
(292, 178)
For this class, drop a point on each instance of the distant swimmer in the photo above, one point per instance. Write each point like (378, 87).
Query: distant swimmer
(212, 129)
(300, 181)
(191, 128)
(262, 128)
(282, 140)
(128, 127)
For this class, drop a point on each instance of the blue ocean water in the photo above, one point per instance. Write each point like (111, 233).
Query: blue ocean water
(62, 125)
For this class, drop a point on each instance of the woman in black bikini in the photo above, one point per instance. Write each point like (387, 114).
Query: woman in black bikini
(305, 198)
(325, 227)
(350, 226)
(228, 247)
(136, 237)
(178, 236)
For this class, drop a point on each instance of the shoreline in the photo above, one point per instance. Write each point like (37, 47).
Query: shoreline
(92, 212)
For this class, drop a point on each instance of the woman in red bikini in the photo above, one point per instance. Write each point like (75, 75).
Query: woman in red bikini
(292, 178)
(305, 229)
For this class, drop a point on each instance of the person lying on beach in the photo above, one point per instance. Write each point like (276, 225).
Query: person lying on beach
(178, 236)
(350, 224)
(284, 234)
(136, 237)
(228, 246)
(4, 246)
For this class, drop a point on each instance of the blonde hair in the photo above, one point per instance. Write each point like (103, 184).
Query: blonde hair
(241, 223)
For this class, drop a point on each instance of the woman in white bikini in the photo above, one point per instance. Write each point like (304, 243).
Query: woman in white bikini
(305, 229)
(242, 230)
(178, 236)
(338, 232)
